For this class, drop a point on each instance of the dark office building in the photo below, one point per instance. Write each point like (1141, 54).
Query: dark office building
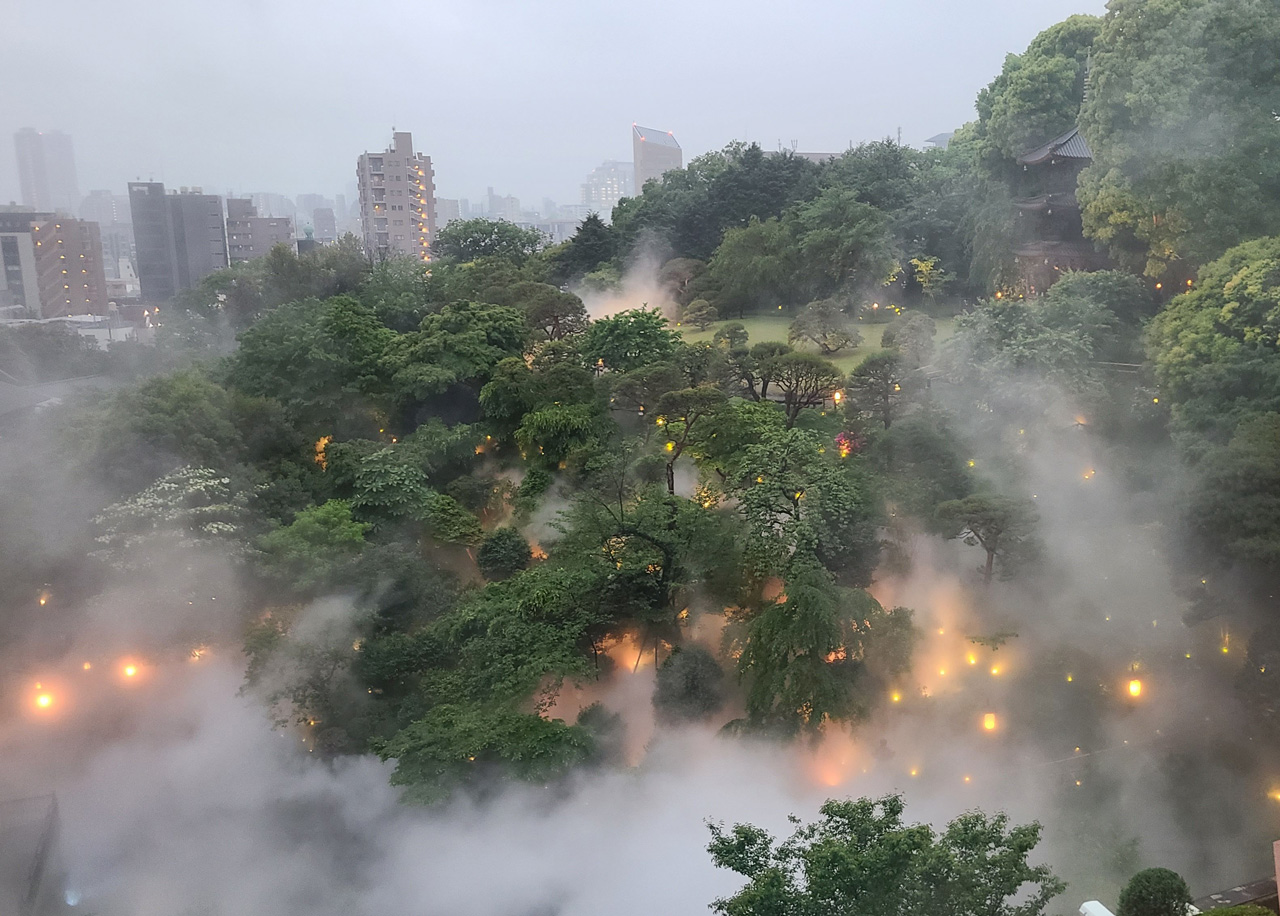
(180, 238)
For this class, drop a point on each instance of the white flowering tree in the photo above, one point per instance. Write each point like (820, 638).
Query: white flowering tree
(187, 508)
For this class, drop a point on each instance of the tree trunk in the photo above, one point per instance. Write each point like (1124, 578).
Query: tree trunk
(986, 571)
(671, 477)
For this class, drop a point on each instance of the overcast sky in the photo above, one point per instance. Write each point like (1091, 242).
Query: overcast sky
(282, 95)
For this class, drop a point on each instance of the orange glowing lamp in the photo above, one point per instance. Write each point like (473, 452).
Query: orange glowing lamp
(130, 670)
(1135, 688)
(989, 721)
(44, 700)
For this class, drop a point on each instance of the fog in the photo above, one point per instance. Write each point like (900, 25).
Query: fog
(178, 793)
(283, 96)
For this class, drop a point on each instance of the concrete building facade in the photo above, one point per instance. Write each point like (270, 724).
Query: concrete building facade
(51, 266)
(397, 201)
(180, 238)
(47, 171)
(250, 236)
(607, 184)
(655, 153)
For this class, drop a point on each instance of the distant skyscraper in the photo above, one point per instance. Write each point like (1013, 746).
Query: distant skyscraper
(502, 206)
(397, 201)
(606, 185)
(50, 265)
(111, 213)
(47, 170)
(250, 236)
(447, 211)
(325, 224)
(655, 152)
(180, 238)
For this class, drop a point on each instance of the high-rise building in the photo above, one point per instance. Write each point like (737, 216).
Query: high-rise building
(655, 152)
(180, 238)
(52, 265)
(111, 213)
(250, 236)
(325, 224)
(607, 184)
(447, 210)
(502, 206)
(47, 170)
(397, 201)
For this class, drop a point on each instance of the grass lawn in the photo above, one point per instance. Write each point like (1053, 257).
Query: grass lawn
(766, 327)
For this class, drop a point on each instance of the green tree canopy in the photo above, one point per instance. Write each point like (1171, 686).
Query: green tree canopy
(1154, 892)
(860, 857)
(470, 239)
(1181, 122)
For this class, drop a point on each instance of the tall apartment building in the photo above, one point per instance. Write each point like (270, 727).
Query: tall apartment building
(655, 152)
(250, 236)
(397, 201)
(47, 171)
(180, 238)
(607, 184)
(50, 265)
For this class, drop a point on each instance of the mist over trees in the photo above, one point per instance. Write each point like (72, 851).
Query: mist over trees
(513, 498)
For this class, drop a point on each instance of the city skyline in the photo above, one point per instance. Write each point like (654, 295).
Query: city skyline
(840, 81)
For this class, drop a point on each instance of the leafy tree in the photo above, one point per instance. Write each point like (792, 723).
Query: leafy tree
(318, 548)
(630, 340)
(469, 239)
(592, 245)
(683, 416)
(502, 554)
(860, 857)
(1216, 347)
(44, 352)
(456, 743)
(1003, 527)
(455, 348)
(190, 508)
(803, 658)
(843, 242)
(798, 496)
(912, 336)
(930, 277)
(826, 323)
(701, 314)
(921, 465)
(875, 386)
(690, 686)
(1038, 93)
(1180, 120)
(803, 380)
(1154, 892)
(730, 335)
(754, 266)
(323, 361)
(1235, 508)
(161, 424)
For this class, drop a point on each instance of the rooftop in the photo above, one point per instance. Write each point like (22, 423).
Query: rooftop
(656, 137)
(1070, 145)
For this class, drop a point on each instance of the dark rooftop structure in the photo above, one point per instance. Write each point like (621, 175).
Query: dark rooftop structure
(1050, 233)
(1259, 893)
(1070, 145)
